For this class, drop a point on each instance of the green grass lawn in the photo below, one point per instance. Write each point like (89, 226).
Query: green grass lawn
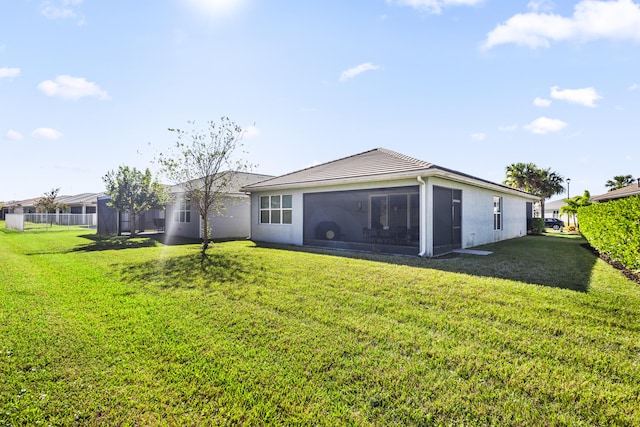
(98, 331)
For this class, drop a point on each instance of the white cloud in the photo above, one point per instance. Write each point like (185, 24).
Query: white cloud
(68, 87)
(46, 133)
(541, 102)
(217, 8)
(591, 20)
(480, 136)
(634, 86)
(586, 96)
(14, 135)
(544, 125)
(507, 128)
(352, 72)
(434, 6)
(9, 72)
(64, 9)
(540, 5)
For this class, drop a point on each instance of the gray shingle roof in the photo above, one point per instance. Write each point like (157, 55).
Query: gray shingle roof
(378, 163)
(237, 181)
(372, 163)
(628, 191)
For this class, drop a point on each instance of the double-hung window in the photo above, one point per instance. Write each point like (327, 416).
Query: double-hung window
(276, 209)
(497, 213)
(183, 211)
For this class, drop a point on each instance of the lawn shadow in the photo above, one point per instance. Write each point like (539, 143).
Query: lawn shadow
(100, 242)
(190, 271)
(559, 262)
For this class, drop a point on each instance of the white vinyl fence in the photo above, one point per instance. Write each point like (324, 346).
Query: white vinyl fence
(14, 221)
(22, 222)
(88, 220)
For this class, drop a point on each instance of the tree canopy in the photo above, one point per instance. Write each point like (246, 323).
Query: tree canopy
(619, 181)
(528, 177)
(135, 191)
(573, 204)
(204, 162)
(47, 203)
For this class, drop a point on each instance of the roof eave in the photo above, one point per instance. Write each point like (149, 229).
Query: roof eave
(434, 171)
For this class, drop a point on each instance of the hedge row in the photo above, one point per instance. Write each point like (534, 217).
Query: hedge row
(613, 228)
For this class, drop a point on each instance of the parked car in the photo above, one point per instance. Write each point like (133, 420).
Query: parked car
(554, 223)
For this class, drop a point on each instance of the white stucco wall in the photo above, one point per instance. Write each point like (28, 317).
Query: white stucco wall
(278, 233)
(234, 222)
(477, 212)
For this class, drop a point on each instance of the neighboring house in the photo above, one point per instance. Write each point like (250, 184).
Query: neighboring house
(85, 203)
(628, 191)
(19, 207)
(380, 200)
(552, 210)
(181, 217)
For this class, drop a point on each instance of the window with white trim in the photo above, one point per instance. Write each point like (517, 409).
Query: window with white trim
(183, 211)
(276, 209)
(497, 213)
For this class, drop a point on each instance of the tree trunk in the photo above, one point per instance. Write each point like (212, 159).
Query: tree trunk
(132, 225)
(132, 219)
(205, 233)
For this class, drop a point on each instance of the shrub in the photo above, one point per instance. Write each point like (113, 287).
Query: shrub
(537, 225)
(613, 228)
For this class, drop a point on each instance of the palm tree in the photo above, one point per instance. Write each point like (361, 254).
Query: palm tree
(543, 183)
(548, 183)
(571, 208)
(520, 175)
(619, 181)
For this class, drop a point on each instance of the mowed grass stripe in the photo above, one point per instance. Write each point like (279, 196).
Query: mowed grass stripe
(254, 335)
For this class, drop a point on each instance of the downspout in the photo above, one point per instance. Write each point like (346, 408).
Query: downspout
(423, 217)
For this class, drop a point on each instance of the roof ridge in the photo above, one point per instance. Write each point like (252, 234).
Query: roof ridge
(404, 157)
(321, 164)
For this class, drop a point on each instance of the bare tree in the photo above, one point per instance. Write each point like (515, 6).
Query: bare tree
(204, 163)
(48, 204)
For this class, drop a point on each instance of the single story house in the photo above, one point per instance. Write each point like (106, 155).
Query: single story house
(628, 191)
(552, 210)
(380, 200)
(181, 217)
(84, 203)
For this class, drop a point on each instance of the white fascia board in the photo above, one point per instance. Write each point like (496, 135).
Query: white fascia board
(484, 184)
(398, 176)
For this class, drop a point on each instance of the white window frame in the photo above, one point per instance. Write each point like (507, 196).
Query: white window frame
(276, 209)
(183, 211)
(498, 206)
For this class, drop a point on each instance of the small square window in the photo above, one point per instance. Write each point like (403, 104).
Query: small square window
(276, 209)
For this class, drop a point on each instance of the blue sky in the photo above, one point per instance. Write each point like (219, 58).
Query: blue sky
(471, 85)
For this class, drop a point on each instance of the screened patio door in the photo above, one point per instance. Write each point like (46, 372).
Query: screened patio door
(447, 220)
